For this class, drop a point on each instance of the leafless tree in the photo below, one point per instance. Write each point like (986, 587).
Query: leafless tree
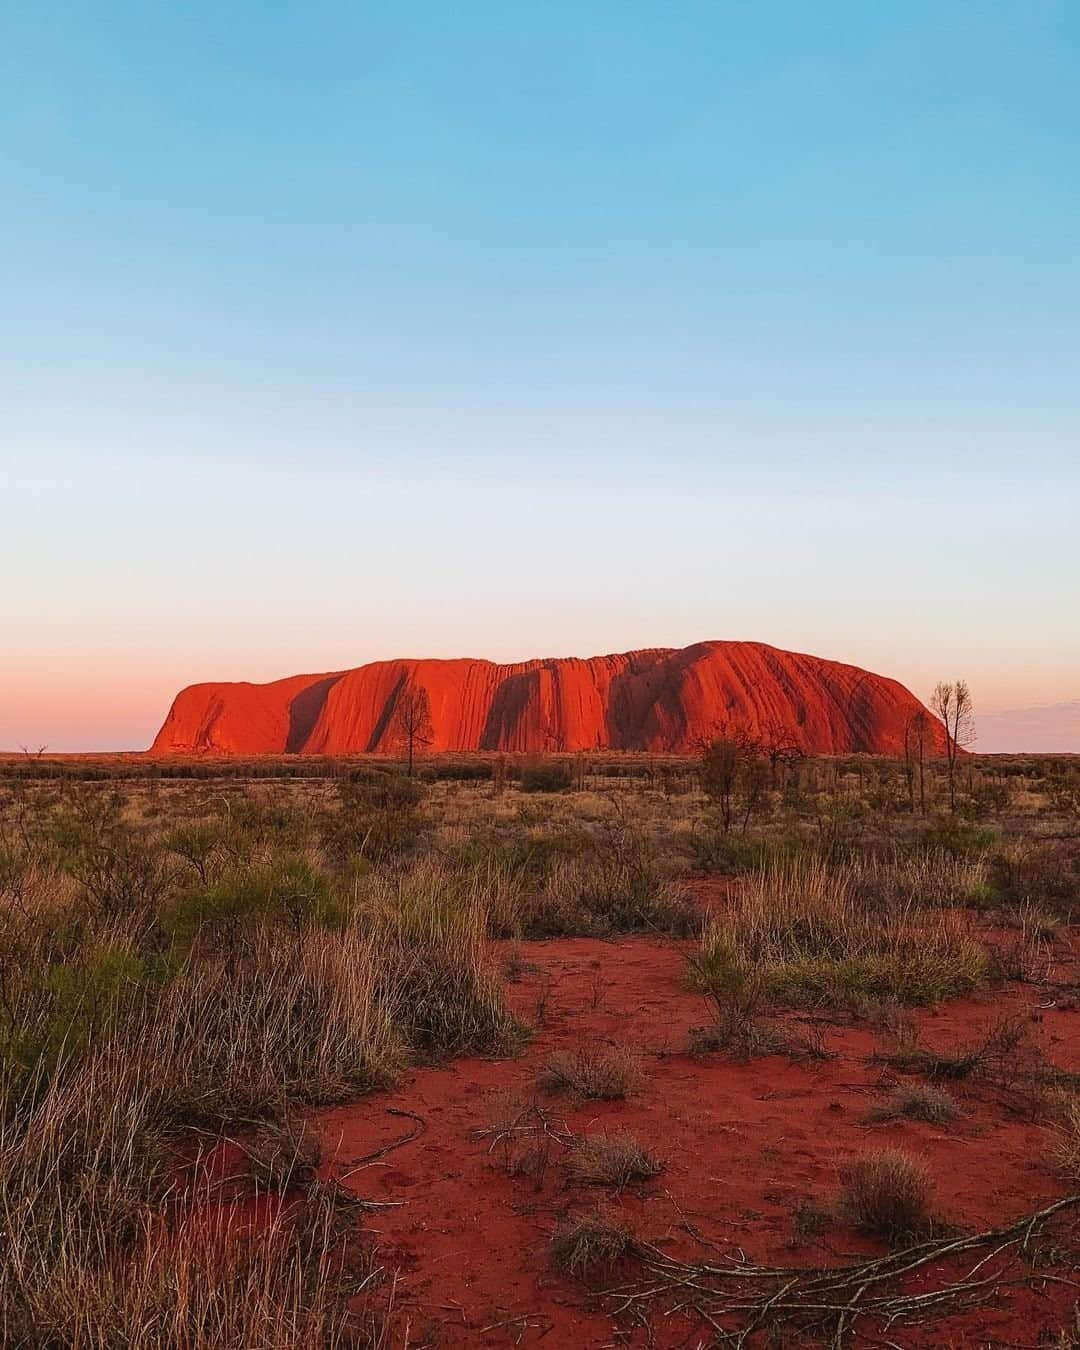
(953, 704)
(412, 721)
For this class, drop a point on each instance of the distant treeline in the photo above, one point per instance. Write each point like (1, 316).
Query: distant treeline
(663, 770)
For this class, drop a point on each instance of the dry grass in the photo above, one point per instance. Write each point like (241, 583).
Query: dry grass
(430, 929)
(738, 1024)
(212, 1283)
(803, 928)
(211, 953)
(283, 1153)
(917, 1101)
(886, 1194)
(306, 1018)
(1068, 1144)
(600, 1072)
(614, 1159)
(587, 1245)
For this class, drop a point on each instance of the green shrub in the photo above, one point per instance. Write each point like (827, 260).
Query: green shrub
(547, 776)
(287, 890)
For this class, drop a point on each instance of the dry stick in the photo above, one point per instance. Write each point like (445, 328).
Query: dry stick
(355, 1164)
(841, 1294)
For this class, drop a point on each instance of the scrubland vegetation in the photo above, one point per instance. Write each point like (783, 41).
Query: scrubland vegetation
(189, 957)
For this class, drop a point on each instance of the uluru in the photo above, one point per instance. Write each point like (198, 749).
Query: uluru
(663, 700)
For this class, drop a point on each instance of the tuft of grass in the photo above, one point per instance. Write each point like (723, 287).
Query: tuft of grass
(803, 929)
(614, 1159)
(586, 1245)
(430, 929)
(591, 885)
(917, 1101)
(886, 1194)
(283, 1153)
(599, 1072)
(737, 1023)
(1068, 1144)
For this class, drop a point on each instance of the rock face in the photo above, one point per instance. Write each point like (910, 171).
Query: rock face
(662, 700)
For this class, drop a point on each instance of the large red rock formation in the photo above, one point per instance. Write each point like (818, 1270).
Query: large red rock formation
(661, 700)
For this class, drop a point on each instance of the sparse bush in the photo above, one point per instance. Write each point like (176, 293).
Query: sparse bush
(618, 889)
(378, 817)
(118, 869)
(737, 1002)
(287, 890)
(886, 1194)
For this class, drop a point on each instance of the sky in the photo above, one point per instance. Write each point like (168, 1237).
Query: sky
(335, 332)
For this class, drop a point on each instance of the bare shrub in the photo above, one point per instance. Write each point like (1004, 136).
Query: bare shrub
(521, 1135)
(809, 1220)
(283, 1153)
(1068, 1144)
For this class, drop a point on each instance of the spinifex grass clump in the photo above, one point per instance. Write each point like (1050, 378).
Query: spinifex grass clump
(917, 1101)
(803, 927)
(887, 1194)
(299, 1017)
(610, 1159)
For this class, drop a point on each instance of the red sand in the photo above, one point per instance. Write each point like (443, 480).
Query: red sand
(743, 1144)
(660, 700)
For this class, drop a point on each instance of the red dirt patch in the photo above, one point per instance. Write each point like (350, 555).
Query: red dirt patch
(743, 1146)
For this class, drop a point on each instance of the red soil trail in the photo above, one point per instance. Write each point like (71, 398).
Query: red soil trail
(658, 700)
(743, 1145)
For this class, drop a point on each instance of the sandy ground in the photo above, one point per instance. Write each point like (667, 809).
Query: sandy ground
(743, 1145)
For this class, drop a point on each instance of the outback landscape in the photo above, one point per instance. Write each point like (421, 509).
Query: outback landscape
(741, 1046)
(540, 675)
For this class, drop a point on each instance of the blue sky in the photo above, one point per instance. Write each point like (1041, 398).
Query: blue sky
(335, 332)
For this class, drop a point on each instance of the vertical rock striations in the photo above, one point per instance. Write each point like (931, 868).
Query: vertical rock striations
(661, 700)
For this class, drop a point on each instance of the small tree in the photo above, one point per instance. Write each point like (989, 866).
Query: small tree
(412, 721)
(779, 746)
(953, 704)
(730, 765)
(915, 737)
